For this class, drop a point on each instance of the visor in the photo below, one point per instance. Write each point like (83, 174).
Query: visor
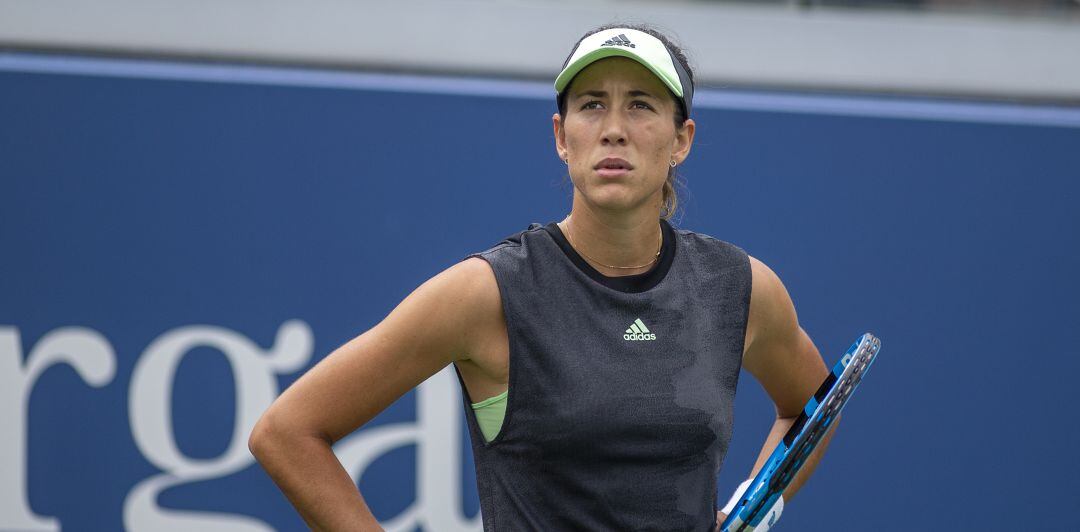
(636, 45)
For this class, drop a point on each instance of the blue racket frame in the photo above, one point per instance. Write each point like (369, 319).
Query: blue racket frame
(803, 437)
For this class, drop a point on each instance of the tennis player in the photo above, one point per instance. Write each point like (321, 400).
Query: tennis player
(598, 355)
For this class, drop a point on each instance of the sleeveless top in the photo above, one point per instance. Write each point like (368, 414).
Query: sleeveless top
(620, 394)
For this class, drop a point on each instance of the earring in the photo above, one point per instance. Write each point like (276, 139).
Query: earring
(672, 163)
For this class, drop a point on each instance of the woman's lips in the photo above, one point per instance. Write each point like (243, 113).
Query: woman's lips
(612, 172)
(613, 167)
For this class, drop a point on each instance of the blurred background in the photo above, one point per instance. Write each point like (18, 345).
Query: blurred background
(200, 200)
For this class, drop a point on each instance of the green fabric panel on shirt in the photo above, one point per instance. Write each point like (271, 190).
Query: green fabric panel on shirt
(489, 414)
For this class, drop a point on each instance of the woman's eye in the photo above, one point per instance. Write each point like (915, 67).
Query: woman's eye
(596, 104)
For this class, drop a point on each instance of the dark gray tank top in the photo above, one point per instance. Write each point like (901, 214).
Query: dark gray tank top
(620, 393)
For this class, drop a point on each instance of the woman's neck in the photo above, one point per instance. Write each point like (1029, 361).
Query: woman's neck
(616, 245)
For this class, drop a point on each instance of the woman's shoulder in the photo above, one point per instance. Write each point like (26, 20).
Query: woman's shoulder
(457, 302)
(471, 281)
(511, 256)
(699, 243)
(514, 242)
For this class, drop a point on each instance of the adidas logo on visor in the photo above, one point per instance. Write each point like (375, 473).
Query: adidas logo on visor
(621, 40)
(638, 331)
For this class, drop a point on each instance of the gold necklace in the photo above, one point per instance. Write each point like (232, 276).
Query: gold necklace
(659, 248)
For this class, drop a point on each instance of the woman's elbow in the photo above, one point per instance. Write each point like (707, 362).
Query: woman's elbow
(261, 438)
(274, 436)
(268, 437)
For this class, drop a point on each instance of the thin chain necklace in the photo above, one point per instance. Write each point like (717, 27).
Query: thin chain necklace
(659, 248)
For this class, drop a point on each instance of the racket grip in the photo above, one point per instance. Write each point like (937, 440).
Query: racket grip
(739, 494)
(772, 516)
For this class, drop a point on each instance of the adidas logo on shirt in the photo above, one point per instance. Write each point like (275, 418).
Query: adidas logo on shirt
(638, 331)
(621, 40)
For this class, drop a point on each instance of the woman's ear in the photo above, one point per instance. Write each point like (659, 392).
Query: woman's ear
(560, 136)
(684, 140)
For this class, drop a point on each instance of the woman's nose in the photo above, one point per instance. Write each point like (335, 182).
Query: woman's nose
(614, 131)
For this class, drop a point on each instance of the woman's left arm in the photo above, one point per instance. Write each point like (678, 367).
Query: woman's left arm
(781, 356)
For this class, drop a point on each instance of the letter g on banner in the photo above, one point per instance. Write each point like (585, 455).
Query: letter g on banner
(150, 409)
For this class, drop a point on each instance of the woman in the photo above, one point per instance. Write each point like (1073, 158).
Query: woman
(599, 355)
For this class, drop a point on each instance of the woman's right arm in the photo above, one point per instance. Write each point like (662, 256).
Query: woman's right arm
(432, 327)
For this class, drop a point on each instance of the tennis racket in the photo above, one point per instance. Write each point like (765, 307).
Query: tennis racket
(753, 510)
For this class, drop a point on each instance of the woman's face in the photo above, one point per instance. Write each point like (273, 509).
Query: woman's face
(619, 134)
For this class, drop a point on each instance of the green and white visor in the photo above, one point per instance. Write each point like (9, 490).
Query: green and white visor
(636, 45)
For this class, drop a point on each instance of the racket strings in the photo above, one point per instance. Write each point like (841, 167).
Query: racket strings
(807, 431)
(787, 469)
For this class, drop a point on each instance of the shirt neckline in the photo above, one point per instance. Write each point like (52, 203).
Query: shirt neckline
(636, 283)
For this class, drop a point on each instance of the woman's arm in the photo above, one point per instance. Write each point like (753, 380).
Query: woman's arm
(432, 327)
(781, 356)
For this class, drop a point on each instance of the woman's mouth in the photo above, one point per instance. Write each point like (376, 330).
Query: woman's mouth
(613, 167)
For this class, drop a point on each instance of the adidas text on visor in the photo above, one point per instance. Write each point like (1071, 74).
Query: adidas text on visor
(636, 45)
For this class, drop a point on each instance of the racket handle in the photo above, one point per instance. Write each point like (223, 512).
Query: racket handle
(739, 494)
(772, 516)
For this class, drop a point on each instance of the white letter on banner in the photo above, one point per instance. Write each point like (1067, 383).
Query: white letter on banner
(437, 435)
(93, 359)
(150, 409)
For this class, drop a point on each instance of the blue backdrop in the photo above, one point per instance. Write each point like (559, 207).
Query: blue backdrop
(286, 211)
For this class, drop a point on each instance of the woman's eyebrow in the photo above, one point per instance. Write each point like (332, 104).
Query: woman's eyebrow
(634, 93)
(591, 94)
(637, 93)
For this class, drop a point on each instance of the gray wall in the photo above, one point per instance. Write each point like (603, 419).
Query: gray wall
(776, 46)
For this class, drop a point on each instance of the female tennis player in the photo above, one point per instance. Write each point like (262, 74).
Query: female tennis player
(598, 355)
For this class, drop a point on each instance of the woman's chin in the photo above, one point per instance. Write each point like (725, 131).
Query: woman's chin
(615, 202)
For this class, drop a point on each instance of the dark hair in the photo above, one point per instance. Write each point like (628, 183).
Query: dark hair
(671, 198)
